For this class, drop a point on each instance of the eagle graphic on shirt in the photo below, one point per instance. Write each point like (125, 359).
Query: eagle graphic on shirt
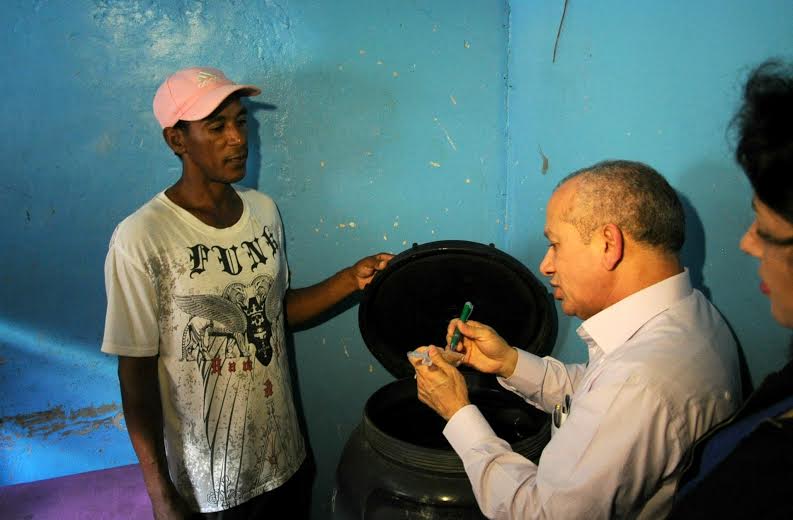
(241, 320)
(221, 336)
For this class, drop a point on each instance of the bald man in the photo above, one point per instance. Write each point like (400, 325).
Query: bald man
(662, 366)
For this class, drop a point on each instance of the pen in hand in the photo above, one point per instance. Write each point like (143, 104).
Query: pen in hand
(466, 312)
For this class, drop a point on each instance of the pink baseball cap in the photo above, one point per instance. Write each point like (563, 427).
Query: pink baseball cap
(194, 93)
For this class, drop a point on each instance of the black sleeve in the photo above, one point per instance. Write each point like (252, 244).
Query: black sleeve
(754, 482)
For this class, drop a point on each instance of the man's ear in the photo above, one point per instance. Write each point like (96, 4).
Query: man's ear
(613, 246)
(174, 138)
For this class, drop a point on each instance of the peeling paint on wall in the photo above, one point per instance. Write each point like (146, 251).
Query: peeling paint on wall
(56, 421)
(446, 133)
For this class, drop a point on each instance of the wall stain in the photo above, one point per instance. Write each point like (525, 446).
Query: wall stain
(56, 421)
(545, 164)
(104, 145)
(15, 189)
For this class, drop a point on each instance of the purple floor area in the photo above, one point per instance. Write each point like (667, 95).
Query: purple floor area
(116, 493)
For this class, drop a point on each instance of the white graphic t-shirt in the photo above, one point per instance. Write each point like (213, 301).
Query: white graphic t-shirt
(208, 301)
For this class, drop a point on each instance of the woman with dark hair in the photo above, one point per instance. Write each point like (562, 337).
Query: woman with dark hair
(744, 469)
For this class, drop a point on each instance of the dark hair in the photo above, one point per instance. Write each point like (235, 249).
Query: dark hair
(765, 135)
(631, 195)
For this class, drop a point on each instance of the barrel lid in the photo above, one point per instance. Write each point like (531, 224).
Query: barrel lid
(410, 302)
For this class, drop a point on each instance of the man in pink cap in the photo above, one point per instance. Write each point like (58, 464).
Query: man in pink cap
(198, 301)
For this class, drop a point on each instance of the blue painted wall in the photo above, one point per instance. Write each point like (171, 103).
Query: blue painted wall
(385, 127)
(390, 123)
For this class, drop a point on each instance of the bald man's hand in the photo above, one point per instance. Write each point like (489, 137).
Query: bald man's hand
(482, 348)
(440, 385)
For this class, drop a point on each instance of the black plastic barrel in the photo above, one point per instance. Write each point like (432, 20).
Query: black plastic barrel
(397, 464)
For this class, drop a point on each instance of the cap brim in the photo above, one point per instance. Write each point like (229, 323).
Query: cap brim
(207, 104)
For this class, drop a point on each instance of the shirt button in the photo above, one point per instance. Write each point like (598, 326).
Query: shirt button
(727, 395)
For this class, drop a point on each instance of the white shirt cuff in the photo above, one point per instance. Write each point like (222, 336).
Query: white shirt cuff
(467, 428)
(528, 375)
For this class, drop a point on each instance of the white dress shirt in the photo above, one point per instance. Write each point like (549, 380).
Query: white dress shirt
(663, 369)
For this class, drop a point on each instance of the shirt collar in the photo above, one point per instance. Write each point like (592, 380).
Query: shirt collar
(614, 325)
